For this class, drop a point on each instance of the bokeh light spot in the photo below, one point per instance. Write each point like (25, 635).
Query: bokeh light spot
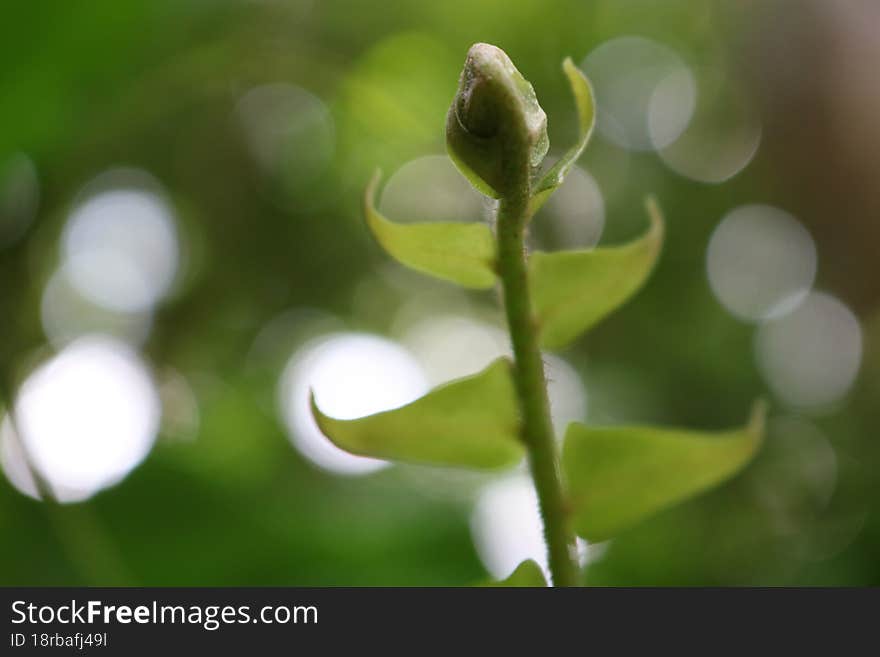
(121, 247)
(625, 72)
(88, 416)
(574, 214)
(761, 262)
(506, 526)
(507, 529)
(811, 356)
(674, 98)
(722, 135)
(289, 132)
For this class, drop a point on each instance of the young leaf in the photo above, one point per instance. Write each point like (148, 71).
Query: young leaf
(573, 290)
(586, 109)
(458, 252)
(619, 475)
(471, 422)
(527, 574)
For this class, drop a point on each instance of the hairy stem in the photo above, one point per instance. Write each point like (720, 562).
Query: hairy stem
(530, 380)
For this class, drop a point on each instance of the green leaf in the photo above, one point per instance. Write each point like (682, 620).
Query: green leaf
(462, 253)
(573, 290)
(619, 475)
(527, 574)
(586, 109)
(471, 422)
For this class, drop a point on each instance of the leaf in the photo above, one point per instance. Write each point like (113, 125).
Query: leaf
(527, 574)
(586, 109)
(471, 422)
(619, 475)
(573, 290)
(462, 253)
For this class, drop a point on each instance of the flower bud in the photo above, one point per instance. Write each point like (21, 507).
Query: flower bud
(494, 120)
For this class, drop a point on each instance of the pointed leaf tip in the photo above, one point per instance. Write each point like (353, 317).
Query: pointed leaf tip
(471, 422)
(583, 97)
(462, 253)
(619, 475)
(586, 111)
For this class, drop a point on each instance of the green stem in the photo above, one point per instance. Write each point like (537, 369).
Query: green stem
(530, 381)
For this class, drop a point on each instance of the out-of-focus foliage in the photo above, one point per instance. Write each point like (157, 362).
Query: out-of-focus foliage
(273, 253)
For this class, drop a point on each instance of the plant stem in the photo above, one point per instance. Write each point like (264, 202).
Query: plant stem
(531, 382)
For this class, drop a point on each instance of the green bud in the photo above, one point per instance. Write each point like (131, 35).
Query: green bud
(494, 121)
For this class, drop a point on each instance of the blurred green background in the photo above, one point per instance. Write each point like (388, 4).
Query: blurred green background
(182, 255)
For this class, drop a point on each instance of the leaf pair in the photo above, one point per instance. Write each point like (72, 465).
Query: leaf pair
(616, 476)
(571, 290)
